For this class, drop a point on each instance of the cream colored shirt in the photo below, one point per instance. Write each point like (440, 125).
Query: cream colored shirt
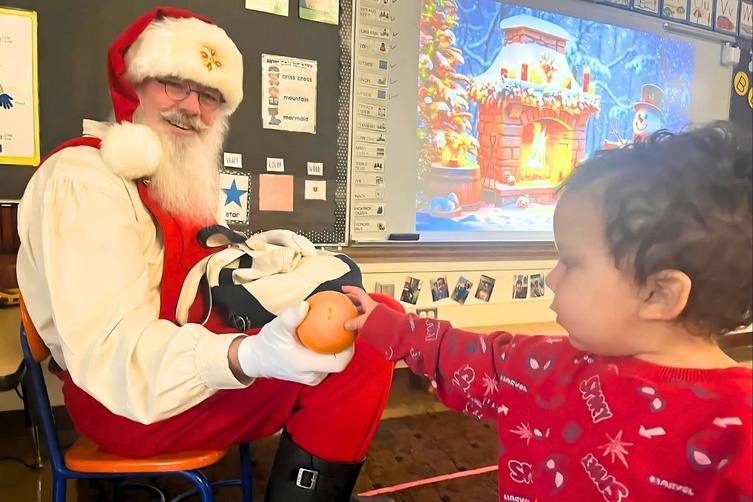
(89, 268)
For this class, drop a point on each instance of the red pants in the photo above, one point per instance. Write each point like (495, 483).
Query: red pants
(334, 421)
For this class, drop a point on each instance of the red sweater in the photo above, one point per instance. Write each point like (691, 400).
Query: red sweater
(580, 427)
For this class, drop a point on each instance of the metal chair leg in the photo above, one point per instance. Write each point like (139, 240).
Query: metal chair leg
(202, 485)
(34, 429)
(31, 422)
(247, 475)
(59, 488)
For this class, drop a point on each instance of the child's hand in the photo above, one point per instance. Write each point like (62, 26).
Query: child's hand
(363, 302)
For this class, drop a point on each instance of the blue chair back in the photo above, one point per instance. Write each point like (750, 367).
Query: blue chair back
(41, 403)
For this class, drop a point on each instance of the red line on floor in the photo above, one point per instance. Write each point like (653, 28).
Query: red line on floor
(428, 481)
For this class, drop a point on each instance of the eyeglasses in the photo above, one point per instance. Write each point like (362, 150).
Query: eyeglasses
(180, 89)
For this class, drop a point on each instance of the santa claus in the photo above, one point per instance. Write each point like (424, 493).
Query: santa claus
(108, 229)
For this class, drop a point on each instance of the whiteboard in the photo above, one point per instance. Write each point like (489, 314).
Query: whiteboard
(385, 187)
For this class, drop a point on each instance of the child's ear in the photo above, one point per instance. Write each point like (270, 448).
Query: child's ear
(665, 295)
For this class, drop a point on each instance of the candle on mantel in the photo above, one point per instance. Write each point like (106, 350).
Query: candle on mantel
(586, 78)
(524, 71)
(503, 72)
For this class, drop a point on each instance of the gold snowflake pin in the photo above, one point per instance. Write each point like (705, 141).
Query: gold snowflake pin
(209, 59)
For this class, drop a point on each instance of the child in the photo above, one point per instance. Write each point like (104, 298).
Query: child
(638, 402)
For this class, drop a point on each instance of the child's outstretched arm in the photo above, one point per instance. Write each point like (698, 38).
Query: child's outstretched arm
(468, 370)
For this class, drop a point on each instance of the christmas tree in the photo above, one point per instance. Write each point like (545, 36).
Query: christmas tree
(443, 117)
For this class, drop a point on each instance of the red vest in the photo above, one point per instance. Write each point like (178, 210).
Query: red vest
(182, 251)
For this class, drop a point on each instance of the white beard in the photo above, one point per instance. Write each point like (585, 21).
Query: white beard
(186, 181)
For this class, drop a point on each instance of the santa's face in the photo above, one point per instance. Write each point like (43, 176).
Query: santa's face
(186, 181)
(163, 107)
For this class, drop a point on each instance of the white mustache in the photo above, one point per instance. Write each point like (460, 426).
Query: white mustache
(183, 120)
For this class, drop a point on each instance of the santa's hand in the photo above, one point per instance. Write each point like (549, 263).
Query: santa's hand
(286, 238)
(276, 352)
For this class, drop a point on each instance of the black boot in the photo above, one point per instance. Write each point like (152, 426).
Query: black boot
(298, 476)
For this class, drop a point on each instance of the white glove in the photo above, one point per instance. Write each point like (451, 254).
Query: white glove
(276, 352)
(285, 238)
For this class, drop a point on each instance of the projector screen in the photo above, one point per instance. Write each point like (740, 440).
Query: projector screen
(493, 104)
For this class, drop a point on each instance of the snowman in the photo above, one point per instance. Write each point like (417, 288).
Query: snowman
(648, 115)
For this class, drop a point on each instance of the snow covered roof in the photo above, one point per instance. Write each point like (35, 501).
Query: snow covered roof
(512, 56)
(534, 23)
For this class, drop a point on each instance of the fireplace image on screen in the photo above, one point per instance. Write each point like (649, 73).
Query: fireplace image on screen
(533, 133)
(511, 99)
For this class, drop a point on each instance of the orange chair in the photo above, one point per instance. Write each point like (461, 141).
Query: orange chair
(84, 459)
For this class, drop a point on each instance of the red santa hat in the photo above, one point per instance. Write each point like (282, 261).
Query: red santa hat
(164, 42)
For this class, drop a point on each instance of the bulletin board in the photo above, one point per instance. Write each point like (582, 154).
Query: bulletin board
(272, 176)
(741, 104)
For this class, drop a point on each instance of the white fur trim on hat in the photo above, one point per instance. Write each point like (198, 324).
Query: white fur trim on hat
(131, 151)
(190, 49)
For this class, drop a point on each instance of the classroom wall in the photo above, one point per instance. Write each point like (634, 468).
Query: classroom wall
(501, 307)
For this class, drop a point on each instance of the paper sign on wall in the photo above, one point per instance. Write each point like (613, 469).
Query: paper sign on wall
(701, 14)
(275, 165)
(234, 197)
(367, 193)
(276, 192)
(279, 7)
(233, 160)
(369, 165)
(726, 16)
(746, 19)
(370, 226)
(315, 168)
(288, 95)
(315, 190)
(368, 209)
(321, 11)
(19, 104)
(676, 9)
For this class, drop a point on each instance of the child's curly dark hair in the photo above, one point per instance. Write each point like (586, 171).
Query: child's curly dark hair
(684, 202)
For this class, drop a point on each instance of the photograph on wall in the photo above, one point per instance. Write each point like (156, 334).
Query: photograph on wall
(538, 286)
(321, 11)
(461, 291)
(411, 290)
(279, 7)
(439, 288)
(485, 288)
(511, 99)
(519, 287)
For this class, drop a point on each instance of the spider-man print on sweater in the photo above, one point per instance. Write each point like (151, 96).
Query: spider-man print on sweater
(578, 426)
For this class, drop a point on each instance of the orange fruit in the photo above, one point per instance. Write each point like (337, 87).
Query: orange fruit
(322, 330)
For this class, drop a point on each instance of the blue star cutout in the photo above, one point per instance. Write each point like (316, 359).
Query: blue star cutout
(233, 194)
